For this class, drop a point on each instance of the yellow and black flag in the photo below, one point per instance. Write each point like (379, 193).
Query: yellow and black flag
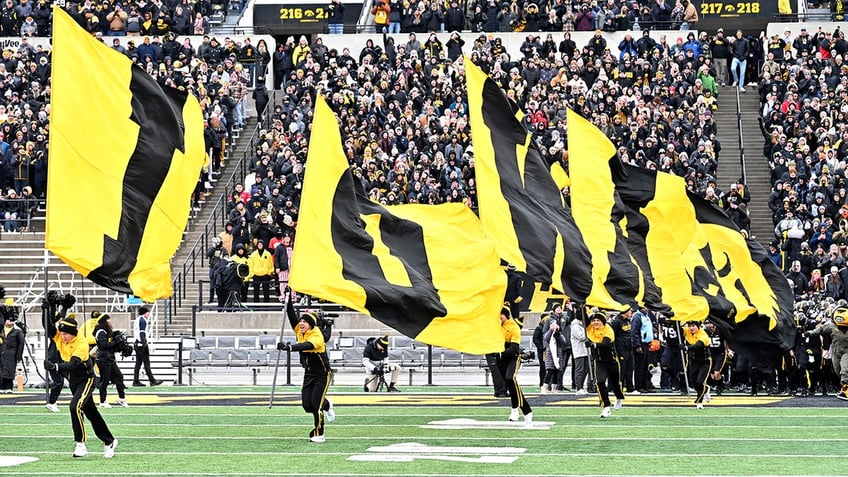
(125, 156)
(703, 265)
(766, 322)
(520, 205)
(427, 271)
(601, 216)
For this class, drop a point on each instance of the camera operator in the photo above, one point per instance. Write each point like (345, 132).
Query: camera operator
(316, 368)
(509, 361)
(12, 343)
(77, 367)
(108, 341)
(217, 256)
(375, 357)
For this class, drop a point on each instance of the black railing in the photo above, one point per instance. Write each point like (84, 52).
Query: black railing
(741, 136)
(21, 212)
(238, 167)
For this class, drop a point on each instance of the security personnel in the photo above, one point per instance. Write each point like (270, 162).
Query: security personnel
(509, 362)
(698, 360)
(316, 365)
(78, 369)
(600, 339)
(261, 263)
(142, 348)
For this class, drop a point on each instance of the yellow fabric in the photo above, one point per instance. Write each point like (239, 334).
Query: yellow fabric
(314, 336)
(511, 331)
(597, 336)
(450, 260)
(260, 265)
(692, 338)
(76, 347)
(92, 139)
(593, 199)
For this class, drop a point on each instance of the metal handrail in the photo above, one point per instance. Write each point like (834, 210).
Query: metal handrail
(741, 136)
(188, 269)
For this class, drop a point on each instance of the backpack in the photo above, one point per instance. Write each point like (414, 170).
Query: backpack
(381, 17)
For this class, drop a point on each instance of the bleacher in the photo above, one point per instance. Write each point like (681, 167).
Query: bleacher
(246, 357)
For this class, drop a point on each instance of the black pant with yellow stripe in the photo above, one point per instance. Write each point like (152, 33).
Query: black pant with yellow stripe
(313, 397)
(509, 368)
(82, 404)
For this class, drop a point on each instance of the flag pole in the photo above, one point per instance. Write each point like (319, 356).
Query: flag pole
(46, 314)
(279, 351)
(585, 321)
(683, 357)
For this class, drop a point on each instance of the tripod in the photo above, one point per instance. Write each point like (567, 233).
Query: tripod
(234, 300)
(379, 375)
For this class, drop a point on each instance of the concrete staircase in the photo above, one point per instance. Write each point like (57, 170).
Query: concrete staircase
(28, 269)
(190, 259)
(756, 168)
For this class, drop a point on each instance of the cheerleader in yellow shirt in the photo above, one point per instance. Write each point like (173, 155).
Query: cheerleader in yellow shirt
(696, 342)
(78, 369)
(509, 361)
(601, 343)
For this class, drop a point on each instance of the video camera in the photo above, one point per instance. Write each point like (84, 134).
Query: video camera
(122, 344)
(9, 312)
(325, 319)
(527, 354)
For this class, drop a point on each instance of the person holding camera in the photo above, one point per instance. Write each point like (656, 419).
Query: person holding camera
(77, 367)
(108, 342)
(217, 256)
(601, 343)
(375, 357)
(142, 348)
(335, 22)
(317, 373)
(381, 16)
(509, 361)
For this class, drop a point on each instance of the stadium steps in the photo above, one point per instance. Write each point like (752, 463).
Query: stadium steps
(180, 322)
(757, 172)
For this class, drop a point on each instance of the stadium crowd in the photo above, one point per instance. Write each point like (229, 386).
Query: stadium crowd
(403, 109)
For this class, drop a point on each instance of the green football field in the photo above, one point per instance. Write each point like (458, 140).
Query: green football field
(423, 431)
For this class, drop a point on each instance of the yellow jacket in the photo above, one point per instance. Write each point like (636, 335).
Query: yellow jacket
(260, 263)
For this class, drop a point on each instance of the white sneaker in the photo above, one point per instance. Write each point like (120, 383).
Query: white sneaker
(513, 415)
(123, 403)
(109, 450)
(699, 406)
(741, 89)
(707, 397)
(331, 413)
(80, 450)
(105, 404)
(606, 412)
(528, 420)
(52, 407)
(318, 439)
(634, 392)
(618, 404)
(734, 84)
(581, 392)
